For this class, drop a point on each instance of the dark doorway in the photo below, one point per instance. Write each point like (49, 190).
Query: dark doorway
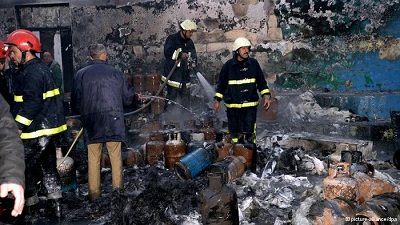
(52, 23)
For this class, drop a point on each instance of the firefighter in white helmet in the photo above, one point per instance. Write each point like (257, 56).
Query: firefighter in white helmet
(238, 82)
(179, 46)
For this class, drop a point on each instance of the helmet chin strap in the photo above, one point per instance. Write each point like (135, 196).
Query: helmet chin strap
(23, 60)
(184, 34)
(238, 54)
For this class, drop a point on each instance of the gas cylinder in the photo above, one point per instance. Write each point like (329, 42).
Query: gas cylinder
(66, 170)
(105, 161)
(332, 211)
(246, 147)
(224, 146)
(174, 149)
(339, 183)
(231, 167)
(380, 209)
(370, 186)
(155, 149)
(153, 82)
(194, 163)
(139, 82)
(157, 106)
(131, 157)
(219, 204)
(209, 132)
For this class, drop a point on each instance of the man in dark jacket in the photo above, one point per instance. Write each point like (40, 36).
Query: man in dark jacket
(179, 46)
(12, 165)
(99, 94)
(55, 69)
(238, 82)
(39, 113)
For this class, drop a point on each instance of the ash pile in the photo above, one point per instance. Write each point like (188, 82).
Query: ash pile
(286, 186)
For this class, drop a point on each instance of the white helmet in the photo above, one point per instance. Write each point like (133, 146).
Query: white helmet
(188, 25)
(240, 42)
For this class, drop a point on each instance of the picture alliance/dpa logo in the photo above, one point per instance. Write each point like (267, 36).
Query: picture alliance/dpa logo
(363, 219)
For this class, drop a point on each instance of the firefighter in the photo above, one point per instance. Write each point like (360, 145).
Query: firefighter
(38, 111)
(5, 84)
(179, 46)
(238, 82)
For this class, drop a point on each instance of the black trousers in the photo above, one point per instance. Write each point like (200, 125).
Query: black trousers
(179, 95)
(241, 120)
(41, 166)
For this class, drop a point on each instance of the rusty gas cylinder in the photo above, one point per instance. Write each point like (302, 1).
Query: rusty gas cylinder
(131, 157)
(105, 161)
(139, 82)
(231, 167)
(246, 147)
(174, 149)
(339, 183)
(219, 202)
(380, 209)
(370, 186)
(209, 132)
(153, 82)
(224, 146)
(155, 148)
(332, 211)
(157, 106)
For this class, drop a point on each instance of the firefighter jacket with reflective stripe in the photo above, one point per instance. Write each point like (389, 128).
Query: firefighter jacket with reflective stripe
(174, 46)
(38, 107)
(238, 83)
(99, 93)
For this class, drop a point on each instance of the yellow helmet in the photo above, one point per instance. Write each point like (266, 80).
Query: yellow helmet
(188, 25)
(240, 42)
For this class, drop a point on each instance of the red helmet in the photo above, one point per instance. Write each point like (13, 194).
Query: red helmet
(3, 50)
(25, 40)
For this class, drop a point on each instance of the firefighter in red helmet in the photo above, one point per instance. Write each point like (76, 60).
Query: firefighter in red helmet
(5, 79)
(38, 111)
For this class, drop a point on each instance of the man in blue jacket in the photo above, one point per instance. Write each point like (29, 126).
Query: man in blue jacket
(99, 94)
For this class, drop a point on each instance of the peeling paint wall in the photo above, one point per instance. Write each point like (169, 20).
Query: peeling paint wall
(325, 45)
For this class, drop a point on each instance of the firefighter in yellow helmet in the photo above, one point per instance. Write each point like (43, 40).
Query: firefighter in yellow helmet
(179, 46)
(238, 82)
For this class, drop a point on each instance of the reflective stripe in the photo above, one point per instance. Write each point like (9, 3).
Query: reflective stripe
(18, 98)
(174, 83)
(265, 91)
(44, 132)
(51, 93)
(48, 94)
(23, 120)
(244, 81)
(219, 95)
(255, 133)
(235, 140)
(243, 105)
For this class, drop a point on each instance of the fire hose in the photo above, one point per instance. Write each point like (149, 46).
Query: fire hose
(126, 114)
